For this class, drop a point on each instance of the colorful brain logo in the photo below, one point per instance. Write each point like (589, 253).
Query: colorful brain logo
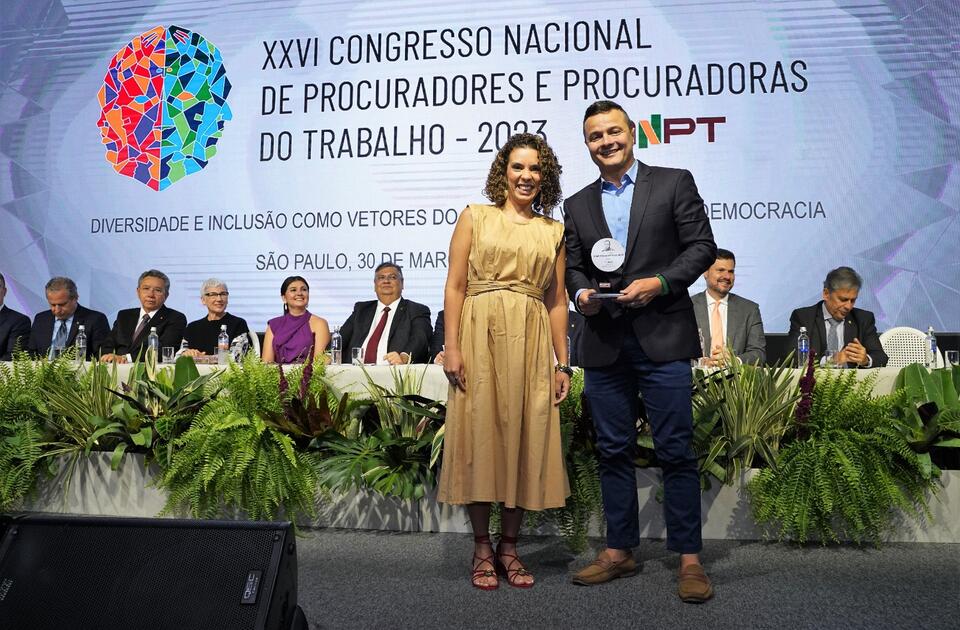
(163, 104)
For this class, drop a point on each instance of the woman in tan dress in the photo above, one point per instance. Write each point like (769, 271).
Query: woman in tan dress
(505, 320)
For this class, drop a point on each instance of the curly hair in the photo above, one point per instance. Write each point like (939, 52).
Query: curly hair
(549, 196)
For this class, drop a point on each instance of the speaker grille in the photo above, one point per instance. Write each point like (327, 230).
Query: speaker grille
(89, 575)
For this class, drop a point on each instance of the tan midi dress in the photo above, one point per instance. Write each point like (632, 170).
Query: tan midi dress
(502, 436)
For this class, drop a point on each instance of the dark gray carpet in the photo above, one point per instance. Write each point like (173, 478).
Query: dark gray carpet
(363, 579)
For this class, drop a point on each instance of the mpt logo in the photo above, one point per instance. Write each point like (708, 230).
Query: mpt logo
(659, 130)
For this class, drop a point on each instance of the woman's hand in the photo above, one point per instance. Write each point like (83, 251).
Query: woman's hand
(453, 368)
(561, 387)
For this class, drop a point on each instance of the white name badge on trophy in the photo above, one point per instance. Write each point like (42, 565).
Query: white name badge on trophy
(608, 254)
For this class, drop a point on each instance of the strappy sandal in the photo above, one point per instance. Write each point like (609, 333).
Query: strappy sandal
(478, 561)
(510, 570)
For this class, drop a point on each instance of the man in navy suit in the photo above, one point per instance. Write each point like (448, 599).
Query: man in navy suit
(127, 340)
(14, 326)
(852, 339)
(638, 236)
(391, 330)
(58, 327)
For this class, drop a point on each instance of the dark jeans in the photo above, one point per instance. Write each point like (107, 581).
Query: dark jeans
(612, 393)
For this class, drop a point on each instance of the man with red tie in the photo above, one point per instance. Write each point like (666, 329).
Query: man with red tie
(391, 330)
(127, 340)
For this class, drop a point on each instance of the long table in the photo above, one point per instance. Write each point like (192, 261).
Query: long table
(435, 387)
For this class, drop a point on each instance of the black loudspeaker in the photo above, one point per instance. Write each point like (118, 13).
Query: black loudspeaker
(64, 572)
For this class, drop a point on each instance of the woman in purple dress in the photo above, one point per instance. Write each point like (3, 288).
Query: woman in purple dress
(296, 335)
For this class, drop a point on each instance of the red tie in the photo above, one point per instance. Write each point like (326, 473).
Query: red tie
(370, 354)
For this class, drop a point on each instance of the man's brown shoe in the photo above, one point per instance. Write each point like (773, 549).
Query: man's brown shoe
(693, 585)
(602, 570)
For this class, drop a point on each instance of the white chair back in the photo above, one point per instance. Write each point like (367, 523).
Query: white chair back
(255, 343)
(905, 346)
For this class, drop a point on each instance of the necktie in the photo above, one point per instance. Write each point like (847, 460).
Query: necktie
(370, 354)
(716, 328)
(140, 327)
(59, 340)
(833, 344)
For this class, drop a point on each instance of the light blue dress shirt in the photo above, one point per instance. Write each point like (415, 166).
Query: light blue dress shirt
(56, 327)
(616, 202)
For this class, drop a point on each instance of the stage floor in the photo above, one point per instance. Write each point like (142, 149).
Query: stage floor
(363, 579)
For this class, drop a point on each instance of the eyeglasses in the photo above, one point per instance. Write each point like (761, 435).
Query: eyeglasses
(389, 278)
(216, 295)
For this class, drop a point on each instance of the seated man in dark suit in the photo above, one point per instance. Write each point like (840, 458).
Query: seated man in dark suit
(391, 330)
(726, 319)
(436, 342)
(127, 340)
(852, 338)
(14, 326)
(57, 328)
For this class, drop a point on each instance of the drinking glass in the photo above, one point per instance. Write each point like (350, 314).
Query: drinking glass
(357, 356)
(952, 357)
(168, 352)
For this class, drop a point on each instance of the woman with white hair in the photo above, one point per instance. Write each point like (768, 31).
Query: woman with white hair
(202, 334)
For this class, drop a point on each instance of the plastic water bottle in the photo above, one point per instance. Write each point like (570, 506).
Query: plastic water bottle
(81, 344)
(223, 345)
(930, 360)
(803, 348)
(153, 345)
(184, 346)
(336, 347)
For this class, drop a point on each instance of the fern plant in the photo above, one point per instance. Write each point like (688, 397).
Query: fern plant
(24, 422)
(236, 455)
(850, 474)
(228, 460)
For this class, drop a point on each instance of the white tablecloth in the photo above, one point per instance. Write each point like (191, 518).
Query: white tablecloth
(435, 387)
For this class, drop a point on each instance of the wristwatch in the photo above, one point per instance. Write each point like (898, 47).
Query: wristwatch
(563, 367)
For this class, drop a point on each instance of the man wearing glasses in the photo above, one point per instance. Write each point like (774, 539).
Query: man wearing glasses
(202, 334)
(391, 330)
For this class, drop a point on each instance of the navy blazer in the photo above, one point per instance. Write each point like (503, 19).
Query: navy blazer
(14, 330)
(170, 325)
(95, 326)
(859, 324)
(409, 332)
(669, 234)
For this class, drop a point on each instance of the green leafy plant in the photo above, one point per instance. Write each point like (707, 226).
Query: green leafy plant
(21, 450)
(849, 474)
(232, 458)
(228, 460)
(755, 406)
(740, 414)
(166, 401)
(313, 408)
(25, 427)
(397, 444)
(928, 411)
(95, 411)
